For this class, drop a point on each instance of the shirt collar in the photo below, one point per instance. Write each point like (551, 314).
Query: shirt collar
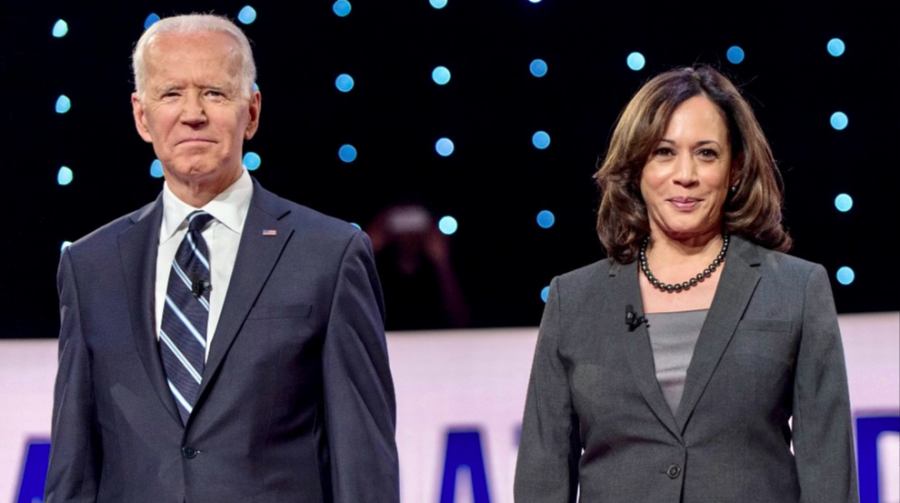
(230, 207)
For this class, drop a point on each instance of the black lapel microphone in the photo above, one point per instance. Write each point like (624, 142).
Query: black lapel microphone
(632, 319)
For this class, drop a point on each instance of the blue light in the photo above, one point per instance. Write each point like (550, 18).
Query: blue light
(60, 29)
(354, 224)
(636, 61)
(541, 140)
(839, 121)
(63, 104)
(545, 292)
(255, 86)
(438, 4)
(538, 68)
(156, 169)
(843, 202)
(441, 75)
(845, 275)
(546, 219)
(65, 244)
(735, 54)
(344, 83)
(152, 18)
(448, 225)
(347, 153)
(252, 161)
(535, 1)
(247, 15)
(342, 8)
(65, 175)
(836, 47)
(444, 147)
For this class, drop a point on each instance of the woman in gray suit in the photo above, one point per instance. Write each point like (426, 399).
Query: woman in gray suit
(698, 363)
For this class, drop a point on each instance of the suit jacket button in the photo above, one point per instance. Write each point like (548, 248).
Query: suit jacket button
(189, 452)
(673, 471)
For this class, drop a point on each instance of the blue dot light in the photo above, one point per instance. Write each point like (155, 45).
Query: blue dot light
(839, 121)
(636, 61)
(535, 1)
(347, 153)
(538, 68)
(845, 275)
(441, 75)
(63, 104)
(836, 47)
(60, 29)
(843, 202)
(252, 161)
(342, 8)
(65, 175)
(735, 55)
(444, 147)
(255, 86)
(156, 169)
(151, 19)
(65, 244)
(541, 140)
(344, 83)
(438, 4)
(448, 225)
(546, 219)
(545, 292)
(247, 15)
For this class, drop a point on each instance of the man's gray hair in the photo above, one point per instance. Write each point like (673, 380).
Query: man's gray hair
(190, 24)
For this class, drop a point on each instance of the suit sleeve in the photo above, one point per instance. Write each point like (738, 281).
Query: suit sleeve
(550, 446)
(822, 426)
(75, 453)
(359, 392)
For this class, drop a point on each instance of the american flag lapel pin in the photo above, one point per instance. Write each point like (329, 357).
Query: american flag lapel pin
(270, 232)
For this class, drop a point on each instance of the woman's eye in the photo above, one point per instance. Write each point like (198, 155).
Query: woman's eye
(663, 152)
(708, 153)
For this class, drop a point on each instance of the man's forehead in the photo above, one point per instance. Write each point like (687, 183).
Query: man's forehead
(182, 56)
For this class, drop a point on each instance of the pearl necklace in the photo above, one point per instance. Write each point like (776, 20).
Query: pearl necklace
(665, 287)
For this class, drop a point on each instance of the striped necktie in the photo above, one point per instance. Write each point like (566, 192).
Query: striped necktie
(182, 335)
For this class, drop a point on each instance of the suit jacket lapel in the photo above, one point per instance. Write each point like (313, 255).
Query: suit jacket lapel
(625, 291)
(736, 286)
(138, 246)
(256, 258)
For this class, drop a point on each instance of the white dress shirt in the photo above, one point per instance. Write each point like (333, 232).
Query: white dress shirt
(222, 235)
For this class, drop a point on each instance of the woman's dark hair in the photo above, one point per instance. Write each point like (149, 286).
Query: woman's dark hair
(753, 211)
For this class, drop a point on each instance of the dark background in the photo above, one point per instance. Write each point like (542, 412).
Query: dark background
(495, 182)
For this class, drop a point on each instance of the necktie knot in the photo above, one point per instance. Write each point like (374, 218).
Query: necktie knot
(197, 220)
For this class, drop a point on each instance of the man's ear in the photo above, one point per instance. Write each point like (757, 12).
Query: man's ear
(255, 108)
(140, 118)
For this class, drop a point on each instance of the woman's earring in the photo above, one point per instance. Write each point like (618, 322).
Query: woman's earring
(733, 189)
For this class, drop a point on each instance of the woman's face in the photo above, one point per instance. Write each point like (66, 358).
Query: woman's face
(686, 179)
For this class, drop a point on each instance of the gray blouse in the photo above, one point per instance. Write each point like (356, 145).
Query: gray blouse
(673, 337)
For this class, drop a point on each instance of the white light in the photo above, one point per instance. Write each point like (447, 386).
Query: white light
(60, 29)
(845, 275)
(64, 176)
(636, 61)
(448, 225)
(444, 147)
(843, 202)
(247, 15)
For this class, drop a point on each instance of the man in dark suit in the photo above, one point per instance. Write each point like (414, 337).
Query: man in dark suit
(221, 343)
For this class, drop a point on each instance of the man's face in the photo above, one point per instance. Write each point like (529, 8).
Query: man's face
(193, 109)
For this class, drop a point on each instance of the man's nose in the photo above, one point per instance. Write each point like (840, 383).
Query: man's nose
(194, 112)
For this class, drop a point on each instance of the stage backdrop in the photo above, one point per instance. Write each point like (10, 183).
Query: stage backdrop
(460, 397)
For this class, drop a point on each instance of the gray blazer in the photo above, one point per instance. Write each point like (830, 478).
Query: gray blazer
(769, 351)
(297, 402)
